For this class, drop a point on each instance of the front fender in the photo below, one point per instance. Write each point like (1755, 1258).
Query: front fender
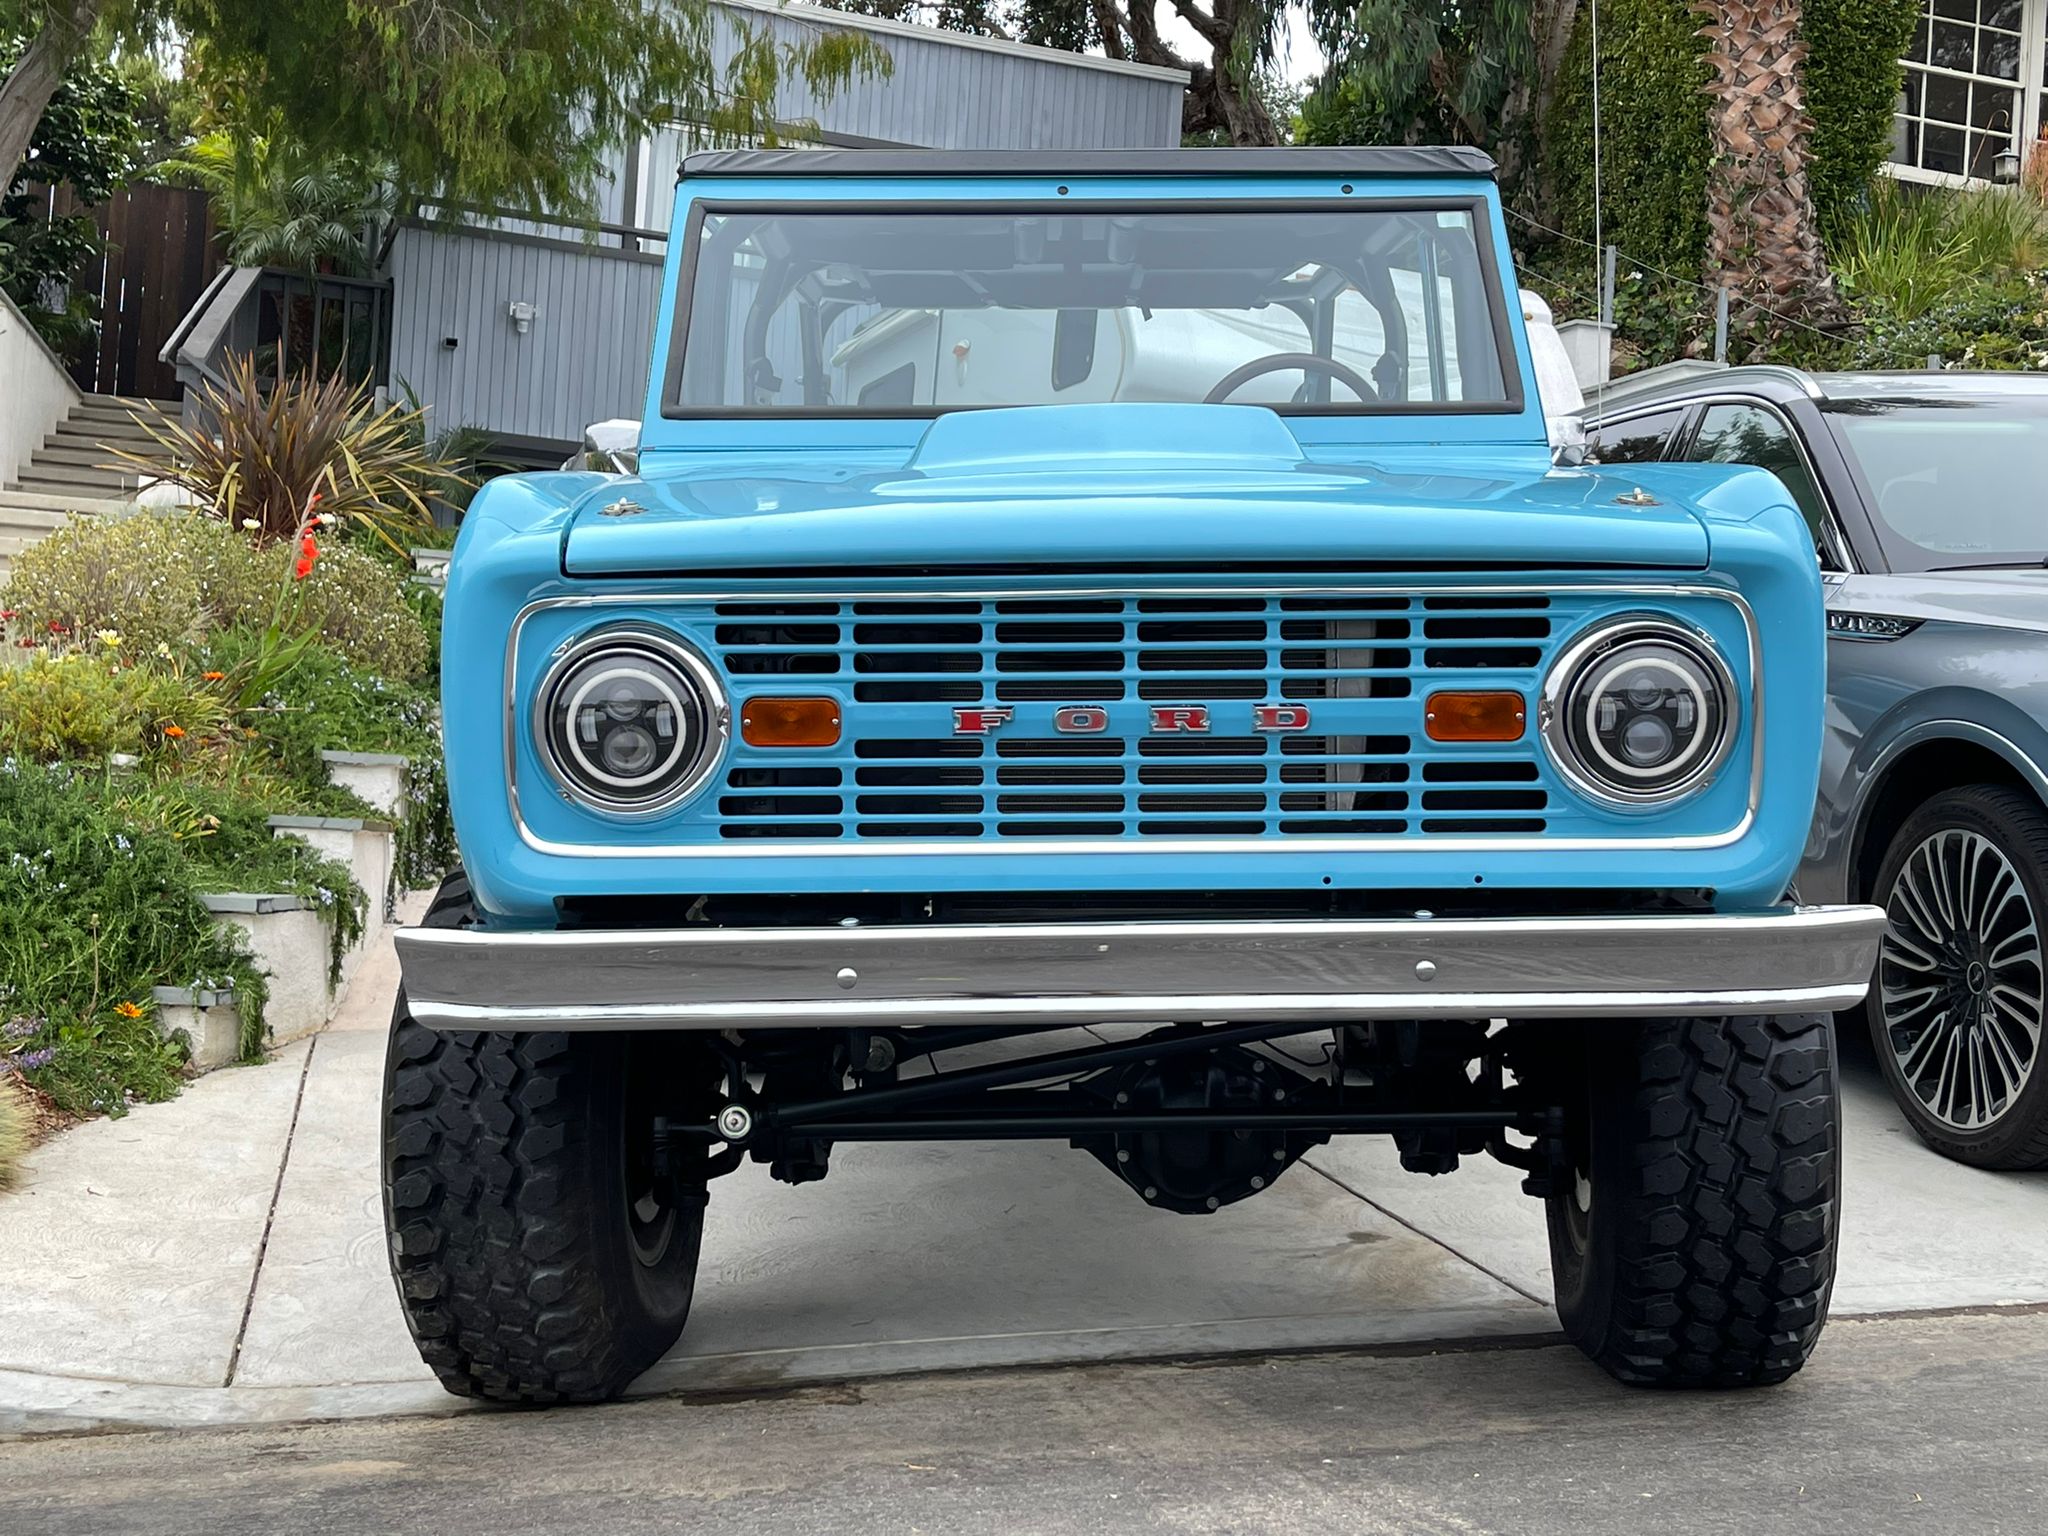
(1887, 698)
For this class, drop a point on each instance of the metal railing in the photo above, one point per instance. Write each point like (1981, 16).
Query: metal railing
(290, 322)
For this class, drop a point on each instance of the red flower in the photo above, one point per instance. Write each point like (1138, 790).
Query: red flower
(26, 643)
(6, 613)
(58, 629)
(303, 569)
(175, 732)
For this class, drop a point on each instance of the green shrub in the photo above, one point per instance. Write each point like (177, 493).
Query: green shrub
(1851, 80)
(357, 602)
(128, 574)
(1908, 249)
(163, 580)
(229, 845)
(94, 911)
(326, 705)
(230, 575)
(84, 706)
(1997, 322)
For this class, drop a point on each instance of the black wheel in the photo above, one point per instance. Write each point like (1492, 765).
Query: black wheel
(542, 1253)
(1956, 1009)
(1695, 1243)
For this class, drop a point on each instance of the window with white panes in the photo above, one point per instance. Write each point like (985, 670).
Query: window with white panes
(1973, 88)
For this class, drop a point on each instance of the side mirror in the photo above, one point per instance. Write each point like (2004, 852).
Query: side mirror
(609, 447)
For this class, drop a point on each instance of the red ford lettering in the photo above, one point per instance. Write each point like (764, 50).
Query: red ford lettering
(1080, 717)
(981, 722)
(1279, 717)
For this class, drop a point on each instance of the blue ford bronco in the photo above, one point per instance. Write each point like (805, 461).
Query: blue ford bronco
(1078, 620)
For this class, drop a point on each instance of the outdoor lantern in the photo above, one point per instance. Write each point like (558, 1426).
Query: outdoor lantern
(2005, 167)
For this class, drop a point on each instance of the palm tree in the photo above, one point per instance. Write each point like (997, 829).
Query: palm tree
(278, 206)
(1762, 240)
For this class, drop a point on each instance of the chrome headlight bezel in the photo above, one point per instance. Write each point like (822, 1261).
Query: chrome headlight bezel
(673, 667)
(1595, 652)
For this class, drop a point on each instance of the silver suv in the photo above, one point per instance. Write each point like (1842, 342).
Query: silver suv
(1927, 494)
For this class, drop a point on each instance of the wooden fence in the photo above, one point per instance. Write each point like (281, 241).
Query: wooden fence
(157, 254)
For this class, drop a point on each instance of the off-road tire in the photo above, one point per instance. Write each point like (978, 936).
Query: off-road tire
(504, 1200)
(1700, 1252)
(2017, 1137)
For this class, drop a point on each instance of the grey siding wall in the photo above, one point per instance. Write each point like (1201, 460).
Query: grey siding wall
(585, 357)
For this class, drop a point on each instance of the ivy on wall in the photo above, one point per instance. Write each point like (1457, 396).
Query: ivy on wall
(1852, 82)
(1653, 117)
(1653, 128)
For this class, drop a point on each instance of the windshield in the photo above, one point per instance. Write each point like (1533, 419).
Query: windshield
(1952, 482)
(888, 311)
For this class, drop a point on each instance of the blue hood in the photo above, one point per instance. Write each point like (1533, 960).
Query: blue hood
(1120, 485)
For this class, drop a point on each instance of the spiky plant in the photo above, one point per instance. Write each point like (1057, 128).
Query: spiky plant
(274, 445)
(1762, 243)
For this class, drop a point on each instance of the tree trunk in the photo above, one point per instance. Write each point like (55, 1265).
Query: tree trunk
(1552, 23)
(1216, 101)
(1761, 238)
(27, 90)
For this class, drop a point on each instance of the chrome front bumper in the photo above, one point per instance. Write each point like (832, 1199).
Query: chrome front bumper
(1788, 961)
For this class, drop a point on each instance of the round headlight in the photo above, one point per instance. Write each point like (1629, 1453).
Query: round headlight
(1642, 711)
(630, 720)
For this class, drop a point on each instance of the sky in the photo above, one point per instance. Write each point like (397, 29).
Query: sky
(1300, 59)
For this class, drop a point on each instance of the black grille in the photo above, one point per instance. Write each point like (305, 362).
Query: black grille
(1362, 664)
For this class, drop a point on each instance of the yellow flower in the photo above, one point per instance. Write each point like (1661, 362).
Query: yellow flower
(163, 650)
(110, 637)
(127, 1010)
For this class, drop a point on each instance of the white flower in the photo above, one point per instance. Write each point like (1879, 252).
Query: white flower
(163, 649)
(250, 525)
(110, 637)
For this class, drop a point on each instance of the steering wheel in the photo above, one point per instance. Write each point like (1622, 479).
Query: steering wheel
(1280, 362)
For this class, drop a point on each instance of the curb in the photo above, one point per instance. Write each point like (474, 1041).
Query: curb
(34, 1405)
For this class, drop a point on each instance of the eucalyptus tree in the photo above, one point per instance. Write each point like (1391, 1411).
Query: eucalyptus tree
(486, 101)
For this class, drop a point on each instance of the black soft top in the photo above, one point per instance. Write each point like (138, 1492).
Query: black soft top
(1378, 161)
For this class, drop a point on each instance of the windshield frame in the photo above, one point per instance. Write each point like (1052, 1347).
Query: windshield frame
(1514, 396)
(1901, 555)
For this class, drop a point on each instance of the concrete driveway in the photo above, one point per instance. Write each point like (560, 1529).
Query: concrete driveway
(220, 1259)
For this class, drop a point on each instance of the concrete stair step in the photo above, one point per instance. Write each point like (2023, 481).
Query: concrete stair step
(102, 426)
(74, 451)
(39, 505)
(121, 405)
(94, 443)
(33, 519)
(63, 489)
(93, 426)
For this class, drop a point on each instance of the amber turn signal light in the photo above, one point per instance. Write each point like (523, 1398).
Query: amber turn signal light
(789, 722)
(1475, 716)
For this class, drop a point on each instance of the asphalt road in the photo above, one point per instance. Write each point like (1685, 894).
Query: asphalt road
(1899, 1425)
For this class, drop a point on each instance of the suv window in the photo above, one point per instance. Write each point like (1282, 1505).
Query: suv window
(1755, 434)
(1639, 440)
